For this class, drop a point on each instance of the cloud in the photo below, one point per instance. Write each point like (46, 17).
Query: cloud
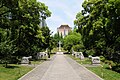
(63, 12)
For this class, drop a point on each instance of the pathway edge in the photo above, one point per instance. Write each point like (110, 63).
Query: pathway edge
(86, 69)
(29, 71)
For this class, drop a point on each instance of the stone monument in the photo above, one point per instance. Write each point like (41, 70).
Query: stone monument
(78, 55)
(25, 60)
(59, 48)
(96, 60)
(41, 55)
(81, 56)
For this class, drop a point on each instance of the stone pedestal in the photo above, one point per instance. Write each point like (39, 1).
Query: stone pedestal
(41, 55)
(95, 60)
(59, 52)
(25, 60)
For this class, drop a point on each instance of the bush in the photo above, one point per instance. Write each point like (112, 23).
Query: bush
(109, 62)
(116, 68)
(90, 52)
(14, 60)
(102, 58)
(78, 47)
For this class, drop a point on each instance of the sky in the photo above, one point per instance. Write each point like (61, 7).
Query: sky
(63, 12)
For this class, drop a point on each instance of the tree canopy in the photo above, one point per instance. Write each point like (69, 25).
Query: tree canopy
(71, 40)
(99, 26)
(20, 30)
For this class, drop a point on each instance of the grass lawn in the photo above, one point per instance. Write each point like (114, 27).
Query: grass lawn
(104, 72)
(85, 61)
(37, 61)
(13, 72)
(54, 50)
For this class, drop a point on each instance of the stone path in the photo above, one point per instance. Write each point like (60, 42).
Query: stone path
(60, 67)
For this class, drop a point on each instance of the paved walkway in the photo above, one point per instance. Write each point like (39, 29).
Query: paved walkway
(60, 67)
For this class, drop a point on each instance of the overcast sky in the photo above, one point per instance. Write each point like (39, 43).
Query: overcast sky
(63, 12)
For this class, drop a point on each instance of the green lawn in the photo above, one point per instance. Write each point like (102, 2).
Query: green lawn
(38, 61)
(85, 61)
(16, 71)
(13, 72)
(104, 72)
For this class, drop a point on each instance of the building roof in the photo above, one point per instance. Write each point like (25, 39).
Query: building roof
(64, 26)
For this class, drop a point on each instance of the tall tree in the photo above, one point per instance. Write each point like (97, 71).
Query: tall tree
(71, 40)
(22, 18)
(98, 24)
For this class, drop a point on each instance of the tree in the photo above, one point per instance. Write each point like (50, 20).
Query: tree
(98, 24)
(20, 22)
(7, 49)
(57, 37)
(70, 40)
(46, 33)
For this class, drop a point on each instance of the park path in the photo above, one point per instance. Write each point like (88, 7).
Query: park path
(60, 67)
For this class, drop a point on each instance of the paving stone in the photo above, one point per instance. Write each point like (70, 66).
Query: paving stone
(83, 72)
(60, 67)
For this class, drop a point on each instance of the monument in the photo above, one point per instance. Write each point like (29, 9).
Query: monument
(25, 60)
(41, 55)
(59, 45)
(96, 60)
(77, 54)
(59, 48)
(81, 56)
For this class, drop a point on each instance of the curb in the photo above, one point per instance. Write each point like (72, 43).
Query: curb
(29, 72)
(87, 69)
(91, 71)
(35, 68)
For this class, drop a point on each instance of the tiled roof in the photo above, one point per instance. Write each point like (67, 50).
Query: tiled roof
(62, 27)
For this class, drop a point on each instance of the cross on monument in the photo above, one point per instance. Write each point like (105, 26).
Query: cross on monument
(59, 45)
